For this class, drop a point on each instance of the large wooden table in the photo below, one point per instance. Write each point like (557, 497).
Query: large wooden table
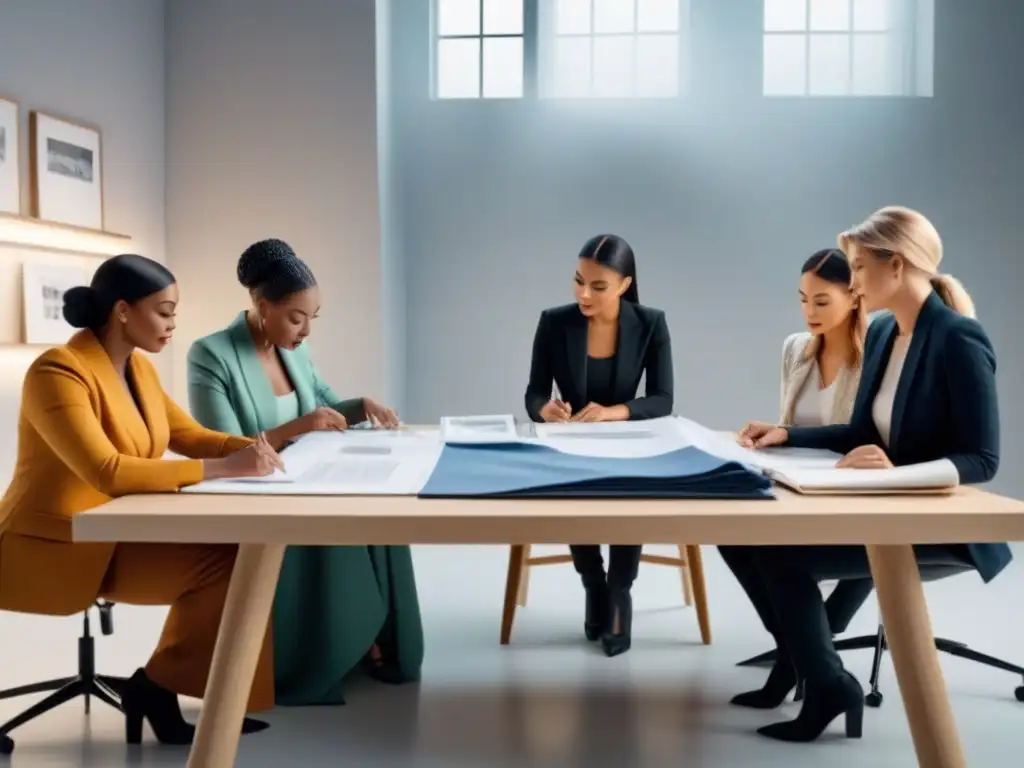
(264, 525)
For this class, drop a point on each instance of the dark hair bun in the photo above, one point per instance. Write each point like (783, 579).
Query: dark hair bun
(271, 270)
(261, 260)
(82, 308)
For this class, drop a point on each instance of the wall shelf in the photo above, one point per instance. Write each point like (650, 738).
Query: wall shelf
(28, 232)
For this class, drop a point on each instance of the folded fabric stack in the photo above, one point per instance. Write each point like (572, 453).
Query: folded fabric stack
(528, 470)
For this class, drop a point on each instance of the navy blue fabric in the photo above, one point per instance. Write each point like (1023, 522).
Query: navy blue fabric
(527, 470)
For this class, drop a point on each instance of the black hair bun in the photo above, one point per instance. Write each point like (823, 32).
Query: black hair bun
(82, 307)
(260, 260)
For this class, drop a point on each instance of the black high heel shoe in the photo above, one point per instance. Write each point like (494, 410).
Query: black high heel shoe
(142, 699)
(618, 638)
(781, 680)
(596, 620)
(842, 695)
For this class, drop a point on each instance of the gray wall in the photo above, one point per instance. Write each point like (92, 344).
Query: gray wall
(392, 258)
(103, 63)
(722, 194)
(272, 132)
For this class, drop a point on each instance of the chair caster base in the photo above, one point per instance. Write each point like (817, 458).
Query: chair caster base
(6, 745)
(873, 699)
(1019, 693)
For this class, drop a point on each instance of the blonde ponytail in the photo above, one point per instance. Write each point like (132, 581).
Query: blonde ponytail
(899, 230)
(953, 294)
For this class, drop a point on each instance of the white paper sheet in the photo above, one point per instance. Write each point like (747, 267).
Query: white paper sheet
(363, 463)
(621, 439)
(725, 446)
(479, 429)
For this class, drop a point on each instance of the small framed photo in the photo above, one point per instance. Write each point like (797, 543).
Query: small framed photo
(43, 288)
(10, 157)
(66, 171)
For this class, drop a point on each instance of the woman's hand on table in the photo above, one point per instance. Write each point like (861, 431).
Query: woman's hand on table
(258, 459)
(865, 457)
(379, 415)
(760, 434)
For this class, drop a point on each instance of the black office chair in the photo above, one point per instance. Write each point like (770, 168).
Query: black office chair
(86, 683)
(880, 646)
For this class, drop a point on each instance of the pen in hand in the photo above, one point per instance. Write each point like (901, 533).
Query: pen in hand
(564, 407)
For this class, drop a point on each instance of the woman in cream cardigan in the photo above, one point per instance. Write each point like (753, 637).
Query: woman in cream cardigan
(820, 374)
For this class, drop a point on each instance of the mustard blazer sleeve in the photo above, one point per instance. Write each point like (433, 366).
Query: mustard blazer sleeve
(190, 438)
(57, 402)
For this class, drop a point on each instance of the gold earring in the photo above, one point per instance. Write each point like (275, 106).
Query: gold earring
(263, 332)
(124, 318)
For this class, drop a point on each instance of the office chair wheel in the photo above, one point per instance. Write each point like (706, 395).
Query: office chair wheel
(1019, 693)
(6, 745)
(873, 699)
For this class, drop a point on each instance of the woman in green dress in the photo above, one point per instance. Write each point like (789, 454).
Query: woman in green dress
(336, 607)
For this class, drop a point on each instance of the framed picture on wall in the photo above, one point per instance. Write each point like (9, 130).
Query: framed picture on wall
(10, 157)
(43, 288)
(66, 161)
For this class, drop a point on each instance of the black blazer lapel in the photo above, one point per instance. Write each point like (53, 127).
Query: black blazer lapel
(922, 329)
(576, 358)
(629, 351)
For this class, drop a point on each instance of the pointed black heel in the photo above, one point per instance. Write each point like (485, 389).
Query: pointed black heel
(618, 638)
(842, 695)
(781, 680)
(144, 700)
(595, 621)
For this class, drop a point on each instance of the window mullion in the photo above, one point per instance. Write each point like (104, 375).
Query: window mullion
(850, 56)
(480, 54)
(531, 48)
(807, 50)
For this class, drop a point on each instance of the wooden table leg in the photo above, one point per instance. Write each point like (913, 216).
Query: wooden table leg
(700, 593)
(524, 582)
(912, 645)
(516, 556)
(243, 626)
(684, 572)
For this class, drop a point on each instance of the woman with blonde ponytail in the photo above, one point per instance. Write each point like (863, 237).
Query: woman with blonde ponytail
(927, 393)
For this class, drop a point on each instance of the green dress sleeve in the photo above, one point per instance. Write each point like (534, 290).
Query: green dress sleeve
(352, 409)
(208, 389)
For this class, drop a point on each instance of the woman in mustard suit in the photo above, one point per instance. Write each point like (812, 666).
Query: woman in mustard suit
(94, 424)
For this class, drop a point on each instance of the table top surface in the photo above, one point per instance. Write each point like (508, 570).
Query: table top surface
(968, 515)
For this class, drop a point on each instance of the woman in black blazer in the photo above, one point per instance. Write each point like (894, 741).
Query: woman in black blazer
(594, 352)
(927, 392)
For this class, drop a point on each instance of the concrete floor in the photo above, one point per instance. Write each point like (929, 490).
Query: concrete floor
(549, 698)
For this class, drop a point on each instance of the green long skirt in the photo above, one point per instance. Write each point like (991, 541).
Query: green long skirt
(332, 604)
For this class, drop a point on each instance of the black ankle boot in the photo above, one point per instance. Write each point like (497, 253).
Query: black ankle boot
(595, 622)
(842, 695)
(781, 680)
(142, 699)
(618, 637)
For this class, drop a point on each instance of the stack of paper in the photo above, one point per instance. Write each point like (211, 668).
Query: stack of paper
(518, 470)
(933, 477)
(811, 471)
